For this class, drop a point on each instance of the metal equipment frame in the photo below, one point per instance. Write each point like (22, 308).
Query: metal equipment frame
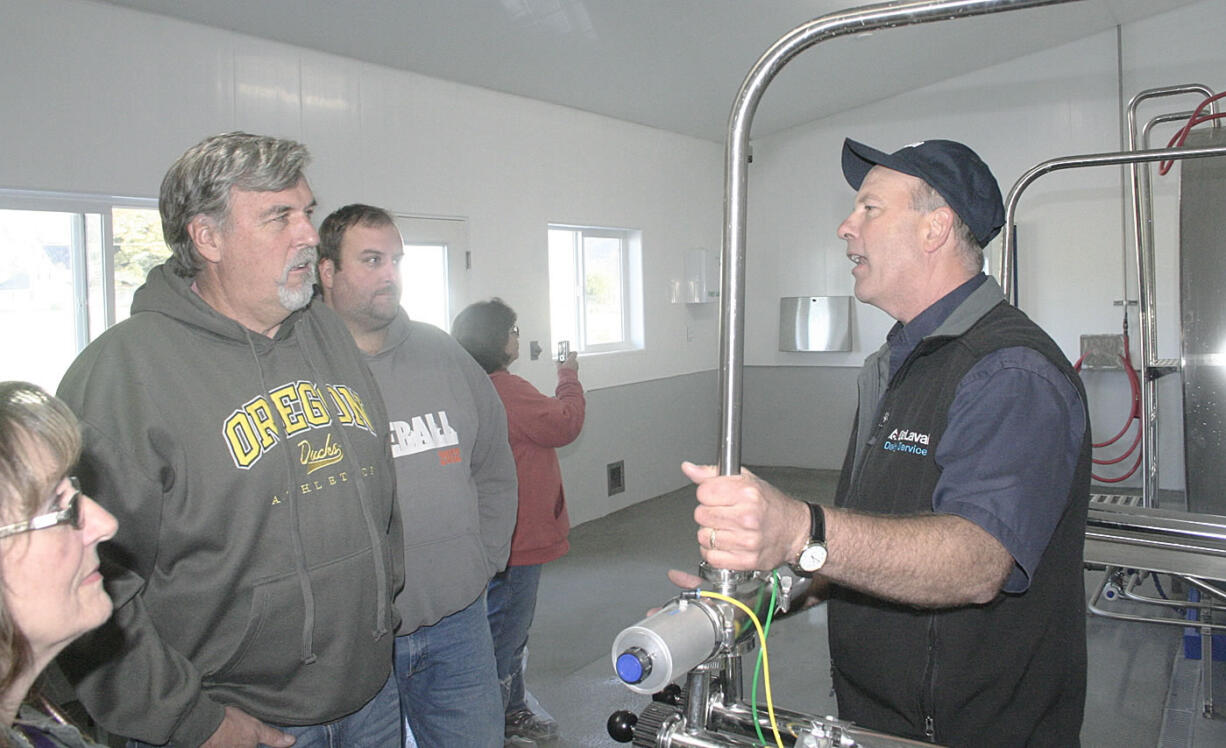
(709, 712)
(1128, 535)
(1130, 541)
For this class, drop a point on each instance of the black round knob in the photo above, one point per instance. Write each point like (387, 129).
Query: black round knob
(621, 725)
(670, 694)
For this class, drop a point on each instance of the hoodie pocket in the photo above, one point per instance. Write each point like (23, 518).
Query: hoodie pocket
(270, 650)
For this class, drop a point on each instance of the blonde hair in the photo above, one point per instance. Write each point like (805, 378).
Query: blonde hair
(33, 425)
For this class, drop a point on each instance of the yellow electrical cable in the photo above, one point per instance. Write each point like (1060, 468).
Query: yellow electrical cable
(766, 661)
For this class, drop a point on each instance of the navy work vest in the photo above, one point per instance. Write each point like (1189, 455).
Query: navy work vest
(1007, 673)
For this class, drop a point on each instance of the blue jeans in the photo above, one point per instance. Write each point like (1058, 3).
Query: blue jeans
(377, 723)
(449, 682)
(512, 604)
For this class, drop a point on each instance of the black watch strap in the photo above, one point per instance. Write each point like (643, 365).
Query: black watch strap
(817, 523)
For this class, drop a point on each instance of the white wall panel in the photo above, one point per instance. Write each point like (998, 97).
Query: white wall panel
(95, 98)
(331, 124)
(1015, 116)
(161, 78)
(267, 87)
(1073, 225)
(418, 145)
(652, 426)
(1173, 49)
(102, 99)
(109, 97)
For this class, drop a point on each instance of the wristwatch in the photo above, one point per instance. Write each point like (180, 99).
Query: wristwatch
(813, 556)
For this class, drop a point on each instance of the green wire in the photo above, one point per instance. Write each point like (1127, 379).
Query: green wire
(757, 669)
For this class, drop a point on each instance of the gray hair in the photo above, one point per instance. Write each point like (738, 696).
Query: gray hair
(201, 180)
(925, 199)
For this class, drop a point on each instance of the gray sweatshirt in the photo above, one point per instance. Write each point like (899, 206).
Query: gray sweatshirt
(455, 476)
(259, 544)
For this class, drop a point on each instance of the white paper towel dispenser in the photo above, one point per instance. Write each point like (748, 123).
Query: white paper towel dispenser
(815, 323)
(701, 282)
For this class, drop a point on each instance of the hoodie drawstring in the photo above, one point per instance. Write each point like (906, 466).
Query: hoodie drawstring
(376, 539)
(304, 579)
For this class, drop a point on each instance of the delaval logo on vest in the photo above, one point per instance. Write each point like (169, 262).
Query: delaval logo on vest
(905, 440)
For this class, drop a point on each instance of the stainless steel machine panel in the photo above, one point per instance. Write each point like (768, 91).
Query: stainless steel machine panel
(815, 323)
(1202, 271)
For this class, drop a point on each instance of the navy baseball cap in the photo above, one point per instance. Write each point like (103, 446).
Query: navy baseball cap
(953, 170)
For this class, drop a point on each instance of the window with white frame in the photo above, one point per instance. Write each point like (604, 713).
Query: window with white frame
(432, 273)
(423, 277)
(595, 288)
(69, 265)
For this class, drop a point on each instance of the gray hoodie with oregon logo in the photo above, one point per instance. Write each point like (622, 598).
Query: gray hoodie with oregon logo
(259, 545)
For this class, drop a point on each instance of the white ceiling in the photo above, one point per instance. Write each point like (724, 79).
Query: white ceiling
(671, 64)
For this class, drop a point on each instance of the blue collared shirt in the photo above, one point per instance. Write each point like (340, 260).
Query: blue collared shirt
(1011, 441)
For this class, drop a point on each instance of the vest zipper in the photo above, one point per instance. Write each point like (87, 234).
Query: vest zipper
(885, 418)
(870, 442)
(930, 677)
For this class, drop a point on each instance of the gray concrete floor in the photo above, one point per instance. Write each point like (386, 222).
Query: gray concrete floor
(1142, 692)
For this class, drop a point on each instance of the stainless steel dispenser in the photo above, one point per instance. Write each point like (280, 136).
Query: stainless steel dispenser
(815, 323)
(1202, 275)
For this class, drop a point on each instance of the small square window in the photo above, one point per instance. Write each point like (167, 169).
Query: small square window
(595, 288)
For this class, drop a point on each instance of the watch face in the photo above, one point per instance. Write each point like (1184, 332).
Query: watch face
(812, 558)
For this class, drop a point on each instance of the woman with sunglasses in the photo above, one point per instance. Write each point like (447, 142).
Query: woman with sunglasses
(50, 586)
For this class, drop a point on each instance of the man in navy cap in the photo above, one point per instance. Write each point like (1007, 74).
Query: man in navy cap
(953, 556)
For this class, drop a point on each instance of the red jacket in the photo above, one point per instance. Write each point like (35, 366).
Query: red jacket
(536, 426)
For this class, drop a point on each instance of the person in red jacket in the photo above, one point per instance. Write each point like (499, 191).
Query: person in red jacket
(537, 426)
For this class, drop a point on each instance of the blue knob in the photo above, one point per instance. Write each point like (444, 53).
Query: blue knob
(633, 665)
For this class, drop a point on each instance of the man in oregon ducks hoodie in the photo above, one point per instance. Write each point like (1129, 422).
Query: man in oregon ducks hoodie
(455, 479)
(233, 429)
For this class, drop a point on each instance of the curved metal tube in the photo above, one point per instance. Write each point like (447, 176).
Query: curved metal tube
(1070, 162)
(1159, 119)
(736, 162)
(1145, 279)
(1095, 607)
(1203, 623)
(1142, 218)
(1143, 248)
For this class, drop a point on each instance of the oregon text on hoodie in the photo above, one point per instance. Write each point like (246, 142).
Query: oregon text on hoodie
(259, 542)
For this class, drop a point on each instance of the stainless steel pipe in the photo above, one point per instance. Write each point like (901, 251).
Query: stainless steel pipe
(1071, 162)
(736, 163)
(1143, 245)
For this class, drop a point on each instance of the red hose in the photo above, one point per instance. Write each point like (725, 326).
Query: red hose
(1135, 441)
(1134, 414)
(1125, 476)
(1134, 384)
(1182, 135)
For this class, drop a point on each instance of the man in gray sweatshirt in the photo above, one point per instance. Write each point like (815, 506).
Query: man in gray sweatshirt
(455, 479)
(231, 427)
